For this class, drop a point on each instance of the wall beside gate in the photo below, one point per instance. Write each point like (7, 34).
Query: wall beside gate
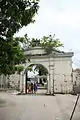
(14, 81)
(61, 74)
(62, 84)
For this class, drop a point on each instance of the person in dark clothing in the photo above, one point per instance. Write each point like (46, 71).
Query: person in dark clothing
(32, 87)
(35, 87)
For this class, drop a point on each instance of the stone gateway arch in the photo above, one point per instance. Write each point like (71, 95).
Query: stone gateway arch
(59, 70)
(58, 64)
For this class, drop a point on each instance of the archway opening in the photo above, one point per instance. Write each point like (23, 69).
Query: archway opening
(37, 73)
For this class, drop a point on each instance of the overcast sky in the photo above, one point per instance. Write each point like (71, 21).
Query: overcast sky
(60, 17)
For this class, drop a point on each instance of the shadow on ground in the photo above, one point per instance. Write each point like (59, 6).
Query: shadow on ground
(2, 103)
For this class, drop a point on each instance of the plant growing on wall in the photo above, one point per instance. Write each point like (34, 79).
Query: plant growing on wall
(49, 43)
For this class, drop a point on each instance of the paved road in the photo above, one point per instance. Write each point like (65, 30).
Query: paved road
(31, 107)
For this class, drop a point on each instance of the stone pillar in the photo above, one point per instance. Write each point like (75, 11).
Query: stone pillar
(51, 82)
(42, 80)
(52, 77)
(24, 77)
(51, 71)
(21, 82)
(1, 81)
(48, 85)
(4, 81)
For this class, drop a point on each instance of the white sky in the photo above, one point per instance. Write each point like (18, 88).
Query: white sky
(60, 17)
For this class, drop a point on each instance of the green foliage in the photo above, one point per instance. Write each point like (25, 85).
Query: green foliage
(41, 69)
(30, 68)
(49, 43)
(14, 14)
(11, 54)
(19, 69)
(35, 42)
(30, 42)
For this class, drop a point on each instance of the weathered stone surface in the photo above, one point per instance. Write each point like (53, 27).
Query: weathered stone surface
(59, 66)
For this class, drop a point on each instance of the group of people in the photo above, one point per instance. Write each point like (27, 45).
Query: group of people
(32, 87)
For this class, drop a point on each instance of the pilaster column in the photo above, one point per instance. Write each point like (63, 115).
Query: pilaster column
(51, 82)
(24, 77)
(48, 85)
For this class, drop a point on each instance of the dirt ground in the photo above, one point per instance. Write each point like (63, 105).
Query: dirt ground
(37, 107)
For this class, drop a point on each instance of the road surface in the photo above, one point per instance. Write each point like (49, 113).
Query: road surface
(37, 107)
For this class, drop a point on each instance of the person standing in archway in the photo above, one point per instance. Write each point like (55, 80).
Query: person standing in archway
(29, 88)
(35, 87)
(32, 87)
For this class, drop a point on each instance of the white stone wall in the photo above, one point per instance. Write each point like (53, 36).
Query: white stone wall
(35, 51)
(61, 74)
(2, 81)
(13, 80)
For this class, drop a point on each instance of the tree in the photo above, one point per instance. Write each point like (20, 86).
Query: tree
(39, 68)
(14, 14)
(12, 55)
(49, 43)
(35, 42)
